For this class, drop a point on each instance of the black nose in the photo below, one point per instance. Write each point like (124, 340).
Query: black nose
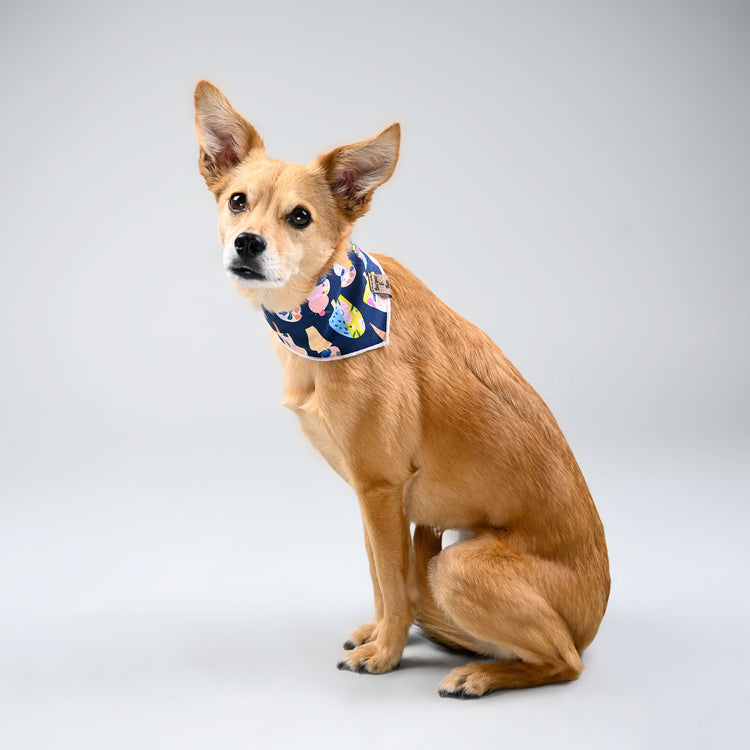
(247, 245)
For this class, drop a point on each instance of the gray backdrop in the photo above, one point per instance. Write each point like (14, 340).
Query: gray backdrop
(179, 568)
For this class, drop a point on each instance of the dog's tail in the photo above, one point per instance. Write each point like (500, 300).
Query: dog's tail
(435, 624)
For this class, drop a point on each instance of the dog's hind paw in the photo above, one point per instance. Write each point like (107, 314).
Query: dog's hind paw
(470, 681)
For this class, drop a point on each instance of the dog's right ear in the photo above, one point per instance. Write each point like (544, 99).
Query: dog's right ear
(353, 172)
(225, 137)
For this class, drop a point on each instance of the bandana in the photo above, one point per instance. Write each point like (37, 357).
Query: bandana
(348, 312)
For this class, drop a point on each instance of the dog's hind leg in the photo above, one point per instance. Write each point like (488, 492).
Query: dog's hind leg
(502, 599)
(433, 621)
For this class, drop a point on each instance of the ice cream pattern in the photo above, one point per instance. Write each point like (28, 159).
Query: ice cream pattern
(288, 342)
(380, 333)
(346, 319)
(318, 300)
(291, 316)
(347, 273)
(318, 344)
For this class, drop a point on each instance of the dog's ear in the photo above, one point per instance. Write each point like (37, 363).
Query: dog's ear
(225, 137)
(353, 172)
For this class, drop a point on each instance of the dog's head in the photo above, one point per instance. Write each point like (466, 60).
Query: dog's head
(281, 223)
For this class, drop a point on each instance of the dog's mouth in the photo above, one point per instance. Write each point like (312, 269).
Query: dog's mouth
(246, 273)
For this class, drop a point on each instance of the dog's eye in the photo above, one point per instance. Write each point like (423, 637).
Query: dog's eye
(238, 202)
(299, 218)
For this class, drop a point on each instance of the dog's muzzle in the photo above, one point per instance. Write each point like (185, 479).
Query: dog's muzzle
(248, 247)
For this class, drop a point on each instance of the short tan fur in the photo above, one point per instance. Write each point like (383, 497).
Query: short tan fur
(446, 435)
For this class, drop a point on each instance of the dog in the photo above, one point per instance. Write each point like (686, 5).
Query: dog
(420, 412)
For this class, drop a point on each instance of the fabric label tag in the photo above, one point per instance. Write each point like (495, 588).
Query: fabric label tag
(379, 284)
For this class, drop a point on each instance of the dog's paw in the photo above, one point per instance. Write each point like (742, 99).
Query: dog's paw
(370, 658)
(361, 635)
(465, 682)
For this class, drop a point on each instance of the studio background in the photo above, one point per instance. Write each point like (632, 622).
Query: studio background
(178, 568)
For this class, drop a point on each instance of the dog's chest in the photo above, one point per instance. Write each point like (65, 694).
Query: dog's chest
(302, 397)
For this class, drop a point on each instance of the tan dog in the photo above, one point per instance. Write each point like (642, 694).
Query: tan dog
(436, 429)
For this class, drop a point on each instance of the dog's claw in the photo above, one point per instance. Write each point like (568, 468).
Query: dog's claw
(363, 668)
(458, 693)
(349, 645)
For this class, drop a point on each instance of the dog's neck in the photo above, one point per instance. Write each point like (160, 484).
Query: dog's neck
(345, 314)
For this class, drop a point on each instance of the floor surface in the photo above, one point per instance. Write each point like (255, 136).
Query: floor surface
(180, 605)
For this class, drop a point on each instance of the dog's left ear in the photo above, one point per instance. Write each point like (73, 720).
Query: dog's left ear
(225, 137)
(353, 172)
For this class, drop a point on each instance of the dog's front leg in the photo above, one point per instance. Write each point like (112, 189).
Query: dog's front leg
(387, 536)
(367, 633)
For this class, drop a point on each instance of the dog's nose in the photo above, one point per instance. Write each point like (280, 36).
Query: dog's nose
(247, 245)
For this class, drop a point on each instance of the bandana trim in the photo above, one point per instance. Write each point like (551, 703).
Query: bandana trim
(348, 312)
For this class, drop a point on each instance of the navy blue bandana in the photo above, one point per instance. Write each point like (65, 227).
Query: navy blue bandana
(347, 313)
